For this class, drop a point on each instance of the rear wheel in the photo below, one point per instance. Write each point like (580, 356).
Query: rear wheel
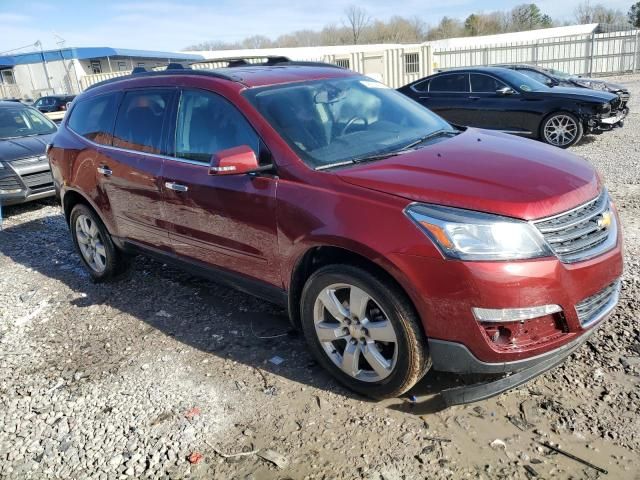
(364, 330)
(561, 129)
(92, 240)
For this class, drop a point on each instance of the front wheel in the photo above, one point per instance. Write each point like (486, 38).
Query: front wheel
(363, 329)
(561, 129)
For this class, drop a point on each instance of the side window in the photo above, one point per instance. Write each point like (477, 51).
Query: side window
(536, 76)
(207, 123)
(485, 84)
(421, 86)
(140, 119)
(452, 82)
(93, 118)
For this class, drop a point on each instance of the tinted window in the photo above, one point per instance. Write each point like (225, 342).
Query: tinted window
(485, 83)
(453, 82)
(140, 119)
(421, 86)
(44, 102)
(23, 122)
(93, 118)
(207, 123)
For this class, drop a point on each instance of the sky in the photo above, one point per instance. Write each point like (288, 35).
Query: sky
(171, 25)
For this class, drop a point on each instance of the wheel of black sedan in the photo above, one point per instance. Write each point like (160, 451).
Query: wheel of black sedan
(561, 129)
(364, 330)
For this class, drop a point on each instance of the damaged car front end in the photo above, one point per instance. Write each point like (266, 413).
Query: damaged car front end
(606, 117)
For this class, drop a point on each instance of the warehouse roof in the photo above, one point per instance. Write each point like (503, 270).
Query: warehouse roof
(84, 53)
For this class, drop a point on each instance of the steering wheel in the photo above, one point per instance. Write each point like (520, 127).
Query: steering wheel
(350, 123)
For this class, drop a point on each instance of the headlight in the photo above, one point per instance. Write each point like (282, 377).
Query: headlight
(605, 108)
(470, 235)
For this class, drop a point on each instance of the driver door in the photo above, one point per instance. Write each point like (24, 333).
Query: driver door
(493, 110)
(225, 221)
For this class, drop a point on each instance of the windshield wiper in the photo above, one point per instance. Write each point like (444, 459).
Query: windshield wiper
(436, 134)
(393, 153)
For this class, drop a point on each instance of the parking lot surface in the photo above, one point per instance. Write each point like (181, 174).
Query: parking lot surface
(164, 375)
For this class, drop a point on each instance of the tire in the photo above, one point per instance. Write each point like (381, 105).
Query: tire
(400, 354)
(107, 262)
(561, 129)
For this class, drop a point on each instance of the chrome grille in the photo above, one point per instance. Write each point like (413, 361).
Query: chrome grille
(593, 308)
(581, 233)
(29, 161)
(38, 180)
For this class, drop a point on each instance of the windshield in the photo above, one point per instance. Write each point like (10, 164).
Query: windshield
(559, 74)
(23, 122)
(522, 82)
(337, 121)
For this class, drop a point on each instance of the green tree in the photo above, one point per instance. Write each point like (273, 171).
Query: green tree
(634, 15)
(528, 16)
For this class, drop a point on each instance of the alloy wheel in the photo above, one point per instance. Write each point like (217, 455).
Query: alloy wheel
(91, 243)
(560, 130)
(355, 332)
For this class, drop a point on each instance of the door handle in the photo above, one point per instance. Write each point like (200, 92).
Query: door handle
(176, 187)
(474, 98)
(106, 171)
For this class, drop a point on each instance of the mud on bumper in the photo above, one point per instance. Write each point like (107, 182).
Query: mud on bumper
(455, 357)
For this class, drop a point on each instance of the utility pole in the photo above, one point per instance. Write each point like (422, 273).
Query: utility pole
(44, 64)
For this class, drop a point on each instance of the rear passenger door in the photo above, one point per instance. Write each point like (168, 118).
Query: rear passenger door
(130, 171)
(224, 221)
(448, 96)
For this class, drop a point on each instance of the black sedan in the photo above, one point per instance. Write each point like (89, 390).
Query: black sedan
(556, 78)
(502, 99)
(53, 103)
(24, 169)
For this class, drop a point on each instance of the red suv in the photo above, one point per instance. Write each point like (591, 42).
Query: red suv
(398, 242)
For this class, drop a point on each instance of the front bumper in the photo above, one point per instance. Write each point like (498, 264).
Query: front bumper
(25, 182)
(483, 390)
(604, 124)
(454, 357)
(445, 292)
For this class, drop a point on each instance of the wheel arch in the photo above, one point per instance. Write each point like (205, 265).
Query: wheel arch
(72, 197)
(318, 256)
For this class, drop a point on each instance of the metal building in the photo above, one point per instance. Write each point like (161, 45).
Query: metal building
(34, 74)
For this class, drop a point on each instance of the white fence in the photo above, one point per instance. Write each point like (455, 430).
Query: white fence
(594, 54)
(392, 66)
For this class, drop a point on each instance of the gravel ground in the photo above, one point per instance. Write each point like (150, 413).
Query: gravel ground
(161, 375)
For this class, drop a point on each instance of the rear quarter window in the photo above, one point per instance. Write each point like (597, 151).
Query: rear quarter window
(93, 118)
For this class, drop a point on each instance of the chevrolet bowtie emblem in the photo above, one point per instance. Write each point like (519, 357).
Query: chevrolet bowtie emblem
(604, 221)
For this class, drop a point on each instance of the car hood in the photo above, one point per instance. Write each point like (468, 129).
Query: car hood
(614, 87)
(485, 171)
(583, 94)
(16, 148)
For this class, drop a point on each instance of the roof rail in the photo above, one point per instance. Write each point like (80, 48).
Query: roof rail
(159, 73)
(268, 60)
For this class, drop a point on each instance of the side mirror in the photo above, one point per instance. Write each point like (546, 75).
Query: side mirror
(233, 161)
(505, 91)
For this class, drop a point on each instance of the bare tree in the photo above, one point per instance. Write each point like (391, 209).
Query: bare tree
(586, 12)
(357, 20)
